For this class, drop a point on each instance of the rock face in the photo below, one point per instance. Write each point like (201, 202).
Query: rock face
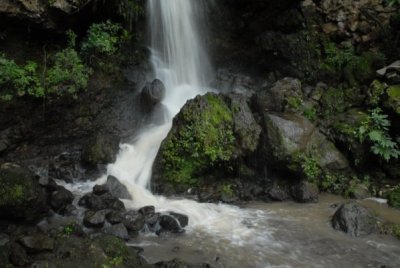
(289, 136)
(117, 189)
(354, 220)
(21, 196)
(210, 132)
(101, 149)
(152, 94)
(305, 192)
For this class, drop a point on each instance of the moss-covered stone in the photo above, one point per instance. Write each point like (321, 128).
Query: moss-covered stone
(203, 138)
(393, 101)
(100, 149)
(21, 196)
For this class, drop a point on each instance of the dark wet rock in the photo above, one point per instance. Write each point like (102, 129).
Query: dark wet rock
(60, 199)
(246, 129)
(4, 239)
(355, 220)
(168, 223)
(360, 191)
(114, 217)
(152, 222)
(101, 149)
(279, 193)
(291, 137)
(100, 189)
(152, 94)
(21, 196)
(148, 210)
(305, 192)
(70, 210)
(105, 201)
(117, 188)
(176, 263)
(18, 255)
(37, 243)
(133, 221)
(228, 82)
(274, 99)
(118, 230)
(66, 166)
(95, 219)
(182, 219)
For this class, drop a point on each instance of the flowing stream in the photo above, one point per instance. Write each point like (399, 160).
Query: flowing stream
(226, 236)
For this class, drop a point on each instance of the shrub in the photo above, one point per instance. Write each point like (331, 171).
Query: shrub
(104, 38)
(68, 74)
(19, 80)
(375, 129)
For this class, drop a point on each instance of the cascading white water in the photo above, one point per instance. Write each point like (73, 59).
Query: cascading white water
(181, 63)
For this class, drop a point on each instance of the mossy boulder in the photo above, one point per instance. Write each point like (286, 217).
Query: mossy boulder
(290, 138)
(21, 196)
(209, 134)
(100, 149)
(393, 101)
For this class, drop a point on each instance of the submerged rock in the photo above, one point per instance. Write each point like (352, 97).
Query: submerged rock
(169, 223)
(21, 196)
(355, 220)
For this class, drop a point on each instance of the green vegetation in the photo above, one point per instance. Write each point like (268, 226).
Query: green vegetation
(310, 168)
(104, 38)
(204, 138)
(68, 74)
(375, 130)
(337, 59)
(64, 72)
(394, 197)
(16, 80)
(375, 93)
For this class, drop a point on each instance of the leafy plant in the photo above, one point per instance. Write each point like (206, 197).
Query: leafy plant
(374, 129)
(104, 38)
(311, 169)
(338, 58)
(19, 80)
(68, 74)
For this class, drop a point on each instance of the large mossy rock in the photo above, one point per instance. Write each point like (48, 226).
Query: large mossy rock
(290, 138)
(21, 196)
(355, 220)
(393, 101)
(209, 134)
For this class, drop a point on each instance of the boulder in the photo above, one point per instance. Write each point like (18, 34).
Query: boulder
(393, 100)
(114, 217)
(152, 94)
(291, 137)
(133, 221)
(117, 189)
(100, 149)
(360, 191)
(21, 196)
(95, 219)
(118, 230)
(37, 243)
(354, 219)
(305, 192)
(148, 210)
(60, 199)
(169, 223)
(105, 201)
(279, 193)
(100, 189)
(18, 255)
(182, 218)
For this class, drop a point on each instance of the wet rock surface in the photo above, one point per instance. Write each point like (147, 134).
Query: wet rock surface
(355, 220)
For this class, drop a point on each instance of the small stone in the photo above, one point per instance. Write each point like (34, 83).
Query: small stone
(94, 219)
(148, 210)
(60, 198)
(100, 189)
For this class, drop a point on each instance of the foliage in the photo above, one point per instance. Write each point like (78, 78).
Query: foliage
(374, 129)
(104, 38)
(393, 2)
(375, 93)
(203, 139)
(68, 74)
(19, 80)
(338, 58)
(310, 113)
(394, 197)
(310, 168)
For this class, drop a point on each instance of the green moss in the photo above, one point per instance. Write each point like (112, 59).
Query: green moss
(394, 92)
(396, 230)
(204, 138)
